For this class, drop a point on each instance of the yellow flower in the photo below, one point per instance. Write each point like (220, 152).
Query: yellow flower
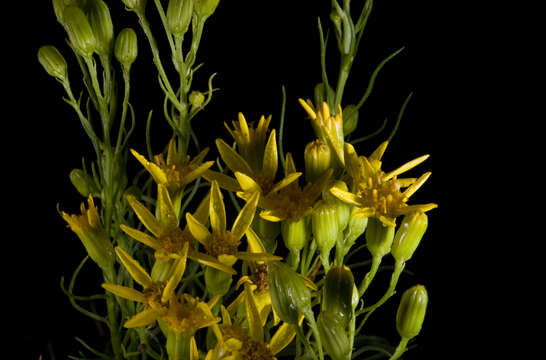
(250, 140)
(290, 202)
(176, 172)
(89, 229)
(327, 127)
(378, 194)
(167, 239)
(221, 243)
(246, 341)
(186, 315)
(155, 294)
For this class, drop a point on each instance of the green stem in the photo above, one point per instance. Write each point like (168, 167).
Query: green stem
(313, 324)
(400, 349)
(376, 261)
(344, 69)
(303, 338)
(112, 315)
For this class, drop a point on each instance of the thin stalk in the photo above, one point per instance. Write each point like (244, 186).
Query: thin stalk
(400, 349)
(376, 261)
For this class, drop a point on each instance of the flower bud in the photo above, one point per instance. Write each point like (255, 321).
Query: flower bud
(196, 98)
(409, 235)
(295, 234)
(411, 311)
(356, 227)
(79, 31)
(82, 182)
(334, 336)
(318, 159)
(205, 8)
(338, 293)
(343, 210)
(135, 5)
(350, 119)
(101, 23)
(126, 47)
(323, 94)
(325, 228)
(379, 237)
(290, 296)
(53, 62)
(217, 282)
(59, 6)
(179, 14)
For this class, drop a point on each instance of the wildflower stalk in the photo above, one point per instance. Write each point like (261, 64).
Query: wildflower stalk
(368, 278)
(400, 349)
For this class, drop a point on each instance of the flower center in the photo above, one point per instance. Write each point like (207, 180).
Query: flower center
(259, 277)
(154, 293)
(222, 244)
(172, 242)
(383, 196)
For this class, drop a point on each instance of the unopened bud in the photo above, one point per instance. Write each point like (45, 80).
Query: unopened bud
(295, 234)
(338, 293)
(409, 235)
(325, 228)
(343, 210)
(205, 8)
(126, 47)
(101, 23)
(217, 282)
(79, 31)
(290, 296)
(179, 14)
(53, 62)
(411, 311)
(323, 94)
(318, 159)
(135, 5)
(196, 98)
(350, 119)
(379, 237)
(334, 336)
(356, 227)
(82, 182)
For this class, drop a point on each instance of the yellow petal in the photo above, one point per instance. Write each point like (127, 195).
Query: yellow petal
(133, 267)
(233, 160)
(416, 207)
(209, 261)
(252, 256)
(255, 329)
(247, 183)
(245, 217)
(167, 214)
(144, 215)
(345, 196)
(316, 188)
(226, 319)
(177, 270)
(243, 127)
(270, 215)
(271, 157)
(308, 108)
(407, 166)
(194, 353)
(286, 181)
(200, 157)
(282, 338)
(140, 236)
(143, 318)
(416, 185)
(125, 292)
(363, 212)
(217, 210)
(172, 154)
(255, 245)
(156, 172)
(289, 166)
(227, 259)
(225, 181)
(198, 230)
(378, 153)
(195, 173)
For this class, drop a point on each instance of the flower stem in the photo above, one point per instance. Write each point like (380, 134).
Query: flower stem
(400, 349)
(376, 261)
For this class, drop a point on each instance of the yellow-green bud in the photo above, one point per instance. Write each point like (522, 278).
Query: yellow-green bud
(101, 23)
(338, 293)
(409, 235)
(318, 159)
(196, 98)
(59, 6)
(343, 211)
(290, 296)
(411, 311)
(126, 47)
(295, 234)
(79, 31)
(379, 237)
(334, 336)
(217, 281)
(205, 8)
(350, 119)
(135, 5)
(179, 14)
(356, 227)
(324, 95)
(53, 62)
(82, 182)
(325, 227)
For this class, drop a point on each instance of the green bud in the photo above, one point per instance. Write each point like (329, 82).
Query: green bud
(325, 228)
(334, 336)
(79, 31)
(196, 98)
(318, 159)
(356, 227)
(205, 8)
(217, 282)
(338, 293)
(323, 94)
(295, 234)
(409, 235)
(350, 119)
(135, 5)
(101, 23)
(343, 210)
(126, 47)
(379, 237)
(53, 62)
(179, 14)
(411, 311)
(290, 296)
(82, 182)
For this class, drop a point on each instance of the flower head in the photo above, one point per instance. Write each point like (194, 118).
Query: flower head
(222, 243)
(376, 193)
(166, 238)
(186, 315)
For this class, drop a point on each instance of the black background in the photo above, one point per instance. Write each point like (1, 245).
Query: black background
(256, 48)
